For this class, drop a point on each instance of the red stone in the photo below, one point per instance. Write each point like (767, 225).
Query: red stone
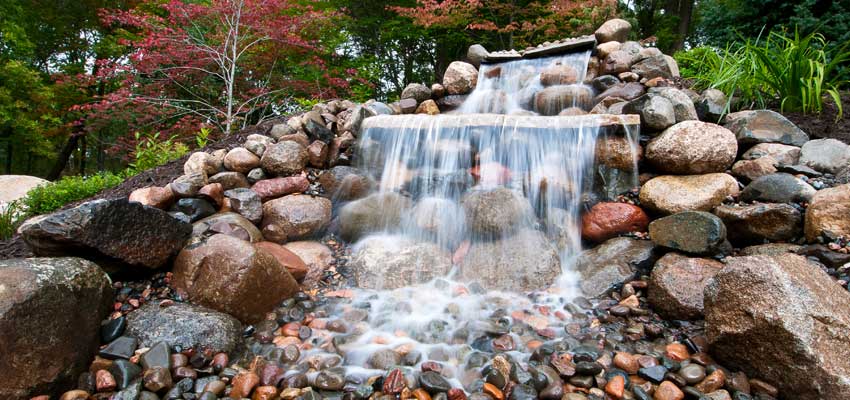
(296, 267)
(268, 189)
(607, 220)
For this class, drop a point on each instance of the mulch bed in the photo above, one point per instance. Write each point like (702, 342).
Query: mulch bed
(824, 125)
(15, 247)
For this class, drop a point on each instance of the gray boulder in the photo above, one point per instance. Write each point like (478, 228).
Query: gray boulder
(825, 155)
(613, 263)
(753, 224)
(495, 212)
(695, 232)
(390, 262)
(185, 326)
(778, 188)
(372, 213)
(764, 126)
(523, 262)
(416, 91)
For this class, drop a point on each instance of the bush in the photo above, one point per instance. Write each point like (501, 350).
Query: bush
(151, 151)
(11, 217)
(51, 197)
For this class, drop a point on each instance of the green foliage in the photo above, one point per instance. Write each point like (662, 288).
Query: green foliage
(11, 216)
(202, 137)
(797, 71)
(51, 197)
(151, 151)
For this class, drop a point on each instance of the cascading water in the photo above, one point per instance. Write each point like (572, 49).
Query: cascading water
(494, 193)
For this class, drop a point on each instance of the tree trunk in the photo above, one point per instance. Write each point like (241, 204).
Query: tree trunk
(101, 156)
(83, 151)
(8, 157)
(686, 8)
(64, 156)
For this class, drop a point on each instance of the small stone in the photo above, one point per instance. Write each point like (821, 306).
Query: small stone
(692, 373)
(434, 383)
(123, 347)
(244, 384)
(330, 380)
(626, 362)
(157, 379)
(654, 373)
(112, 329)
(712, 382)
(677, 352)
(124, 372)
(104, 381)
(75, 395)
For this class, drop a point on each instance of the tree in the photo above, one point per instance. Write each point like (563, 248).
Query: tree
(670, 22)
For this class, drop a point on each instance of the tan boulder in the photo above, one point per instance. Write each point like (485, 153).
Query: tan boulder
(668, 194)
(829, 213)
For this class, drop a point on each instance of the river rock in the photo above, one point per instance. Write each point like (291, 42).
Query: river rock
(285, 158)
(778, 188)
(50, 313)
(294, 264)
(344, 183)
(625, 91)
(193, 208)
(429, 107)
(317, 256)
(656, 112)
(677, 283)
(693, 147)
(695, 232)
(416, 91)
(241, 160)
(246, 203)
(553, 99)
(109, 230)
(525, 261)
(232, 276)
(825, 155)
(683, 106)
(476, 54)
(494, 212)
(618, 152)
(782, 153)
(373, 213)
(16, 187)
(783, 320)
(295, 217)
(273, 188)
(230, 180)
(188, 185)
(753, 224)
(750, 170)
(228, 223)
(607, 220)
(438, 219)
(828, 214)
(154, 196)
(617, 62)
(653, 67)
(184, 326)
(558, 74)
(669, 194)
(711, 105)
(613, 30)
(460, 78)
(390, 262)
(201, 162)
(764, 126)
(613, 263)
(769, 249)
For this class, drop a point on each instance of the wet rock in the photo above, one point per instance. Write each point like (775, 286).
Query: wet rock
(607, 220)
(695, 232)
(50, 312)
(230, 180)
(781, 153)
(668, 391)
(784, 320)
(373, 213)
(437, 219)
(618, 152)
(112, 329)
(671, 194)
(231, 275)
(157, 379)
(750, 170)
(122, 347)
(273, 188)
(764, 126)
(184, 326)
(656, 112)
(522, 262)
(693, 147)
(344, 183)
(553, 99)
(558, 74)
(604, 82)
(825, 155)
(212, 193)
(828, 214)
(460, 78)
(295, 217)
(296, 267)
(612, 263)
(494, 212)
(677, 283)
(756, 223)
(195, 209)
(228, 223)
(154, 196)
(188, 185)
(434, 383)
(613, 30)
(125, 372)
(317, 256)
(416, 91)
(769, 249)
(284, 158)
(711, 105)
(653, 67)
(108, 230)
(390, 262)
(241, 160)
(625, 91)
(778, 188)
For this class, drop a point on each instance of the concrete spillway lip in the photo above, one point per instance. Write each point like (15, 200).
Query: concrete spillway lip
(562, 46)
(451, 121)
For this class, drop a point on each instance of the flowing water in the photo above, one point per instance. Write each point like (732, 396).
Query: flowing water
(511, 184)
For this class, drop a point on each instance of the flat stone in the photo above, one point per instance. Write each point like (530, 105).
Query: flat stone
(782, 153)
(185, 326)
(613, 263)
(670, 194)
(778, 188)
(764, 126)
(123, 347)
(825, 155)
(752, 224)
(695, 232)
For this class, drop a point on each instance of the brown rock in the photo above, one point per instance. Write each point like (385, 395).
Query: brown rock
(269, 189)
(784, 320)
(212, 192)
(712, 382)
(759, 222)
(626, 362)
(616, 387)
(750, 170)
(154, 196)
(317, 153)
(241, 160)
(317, 256)
(295, 217)
(616, 62)
(677, 283)
(188, 185)
(233, 276)
(693, 147)
(613, 30)
(287, 258)
(265, 393)
(104, 381)
(344, 183)
(201, 162)
(618, 152)
(783, 154)
(299, 137)
(668, 391)
(554, 99)
(829, 213)
(624, 91)
(244, 384)
(607, 220)
(75, 395)
(284, 158)
(460, 78)
(559, 74)
(428, 107)
(230, 180)
(669, 194)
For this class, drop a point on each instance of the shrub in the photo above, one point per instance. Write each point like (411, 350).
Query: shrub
(50, 197)
(11, 217)
(151, 151)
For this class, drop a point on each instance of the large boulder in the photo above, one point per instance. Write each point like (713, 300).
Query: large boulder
(676, 285)
(525, 261)
(460, 78)
(390, 262)
(613, 263)
(683, 106)
(693, 147)
(750, 170)
(154, 196)
(711, 105)
(246, 203)
(753, 224)
(295, 217)
(553, 99)
(373, 213)
(495, 212)
(607, 220)
(476, 54)
(344, 183)
(16, 187)
(783, 320)
(50, 313)
(416, 91)
(109, 231)
(437, 219)
(778, 188)
(233, 276)
(185, 326)
(764, 126)
(613, 30)
(829, 214)
(670, 194)
(653, 67)
(618, 152)
(825, 155)
(656, 112)
(285, 158)
(625, 91)
(695, 232)
(241, 160)
(558, 74)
